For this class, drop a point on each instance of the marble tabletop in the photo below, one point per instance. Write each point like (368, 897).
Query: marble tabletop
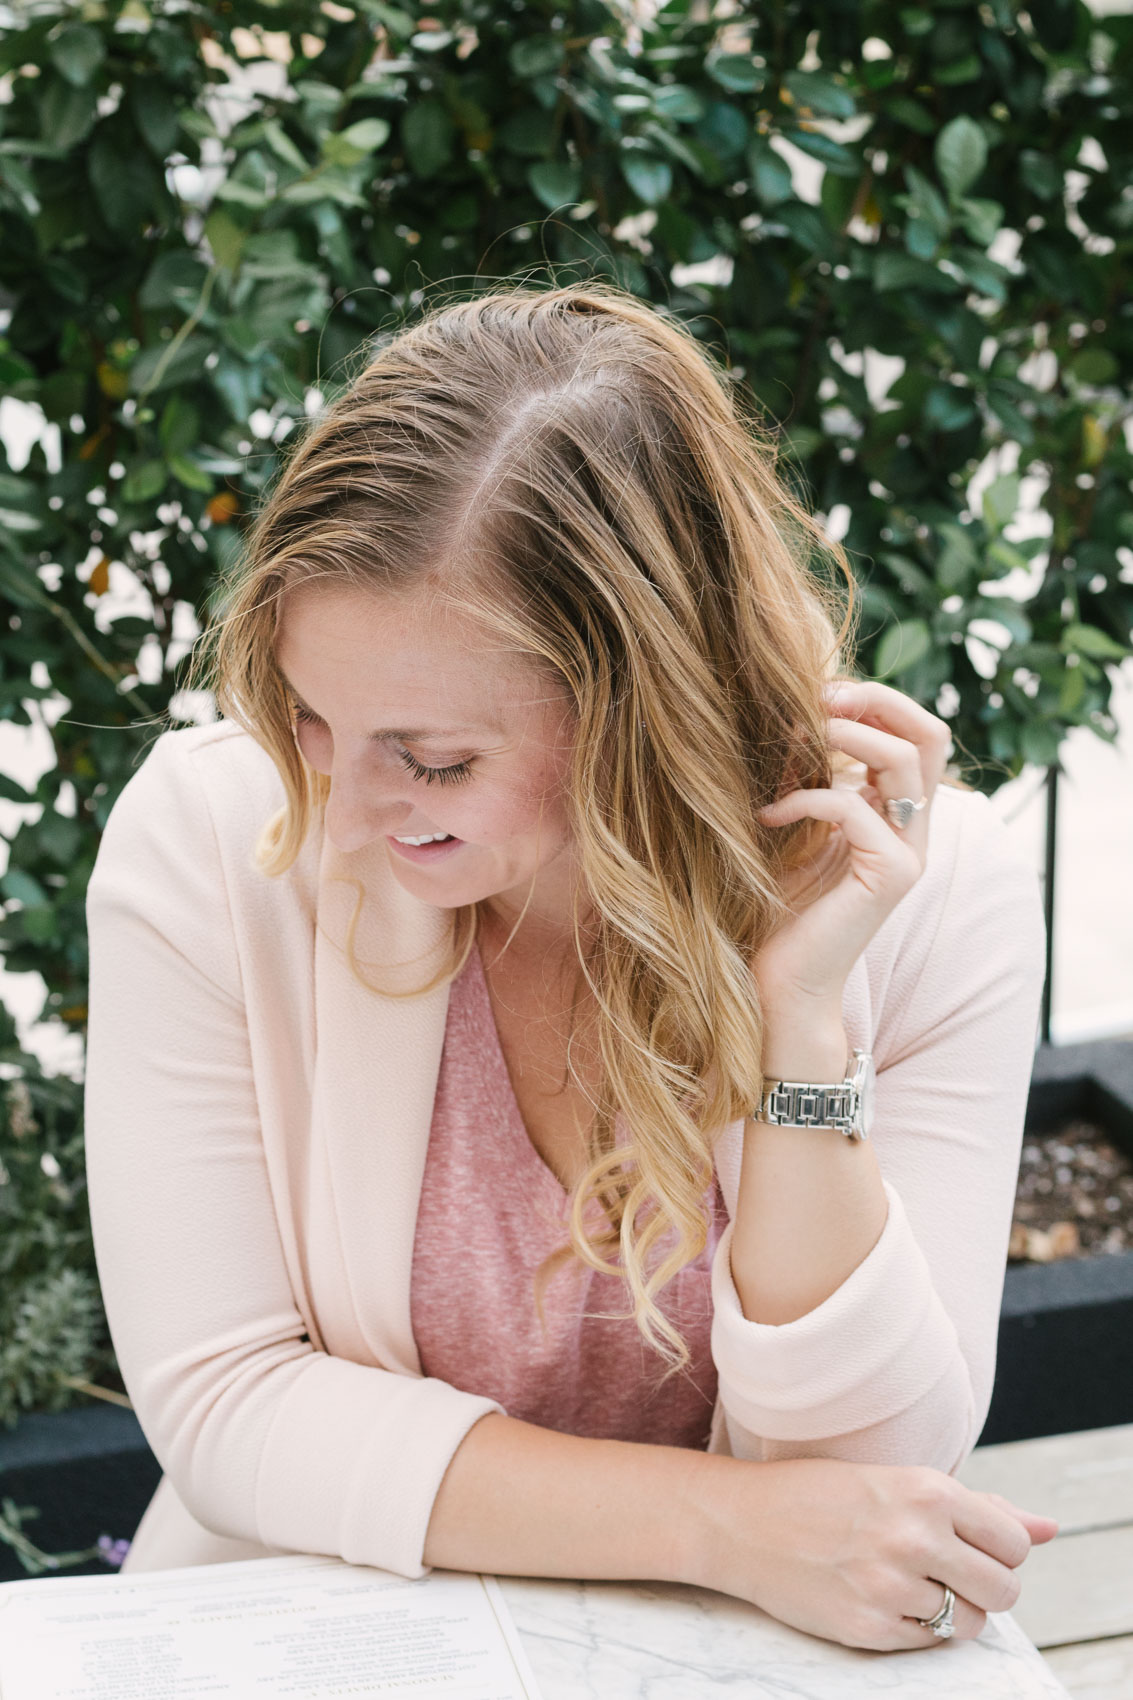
(667, 1641)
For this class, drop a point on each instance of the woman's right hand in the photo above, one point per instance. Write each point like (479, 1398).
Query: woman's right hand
(855, 1553)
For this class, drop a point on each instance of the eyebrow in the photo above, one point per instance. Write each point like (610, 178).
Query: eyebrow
(402, 734)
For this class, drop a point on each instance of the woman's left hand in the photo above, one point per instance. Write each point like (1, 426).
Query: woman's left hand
(906, 750)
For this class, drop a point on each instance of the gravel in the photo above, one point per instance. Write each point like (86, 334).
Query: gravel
(1074, 1197)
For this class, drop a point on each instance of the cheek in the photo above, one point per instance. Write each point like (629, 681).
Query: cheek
(528, 808)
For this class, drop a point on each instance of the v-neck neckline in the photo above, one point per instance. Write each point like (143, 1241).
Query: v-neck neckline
(498, 1062)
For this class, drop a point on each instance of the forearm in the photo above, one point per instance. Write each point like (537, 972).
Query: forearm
(811, 1204)
(520, 1500)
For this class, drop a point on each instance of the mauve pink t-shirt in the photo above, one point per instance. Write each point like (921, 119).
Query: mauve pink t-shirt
(490, 1211)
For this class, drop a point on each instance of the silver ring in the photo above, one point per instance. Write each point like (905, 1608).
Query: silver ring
(902, 809)
(941, 1624)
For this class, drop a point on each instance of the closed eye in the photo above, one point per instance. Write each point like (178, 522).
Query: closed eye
(444, 775)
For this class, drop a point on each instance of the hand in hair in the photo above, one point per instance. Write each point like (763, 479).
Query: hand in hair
(905, 749)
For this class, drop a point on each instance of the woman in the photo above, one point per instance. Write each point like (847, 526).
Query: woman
(441, 1212)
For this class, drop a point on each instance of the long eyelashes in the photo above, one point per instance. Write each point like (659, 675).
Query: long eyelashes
(444, 775)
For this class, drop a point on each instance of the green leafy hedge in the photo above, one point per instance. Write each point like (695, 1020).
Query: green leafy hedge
(182, 269)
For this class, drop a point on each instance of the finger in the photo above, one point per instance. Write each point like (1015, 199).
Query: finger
(875, 704)
(982, 1562)
(894, 763)
(968, 1620)
(986, 1525)
(1038, 1525)
(889, 853)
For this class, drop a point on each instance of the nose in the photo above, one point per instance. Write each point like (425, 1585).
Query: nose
(356, 816)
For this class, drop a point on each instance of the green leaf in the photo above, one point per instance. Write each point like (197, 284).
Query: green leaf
(187, 472)
(735, 71)
(284, 148)
(1093, 366)
(242, 194)
(901, 647)
(1040, 173)
(23, 586)
(21, 887)
(180, 425)
(928, 202)
(948, 408)
(427, 137)
(1001, 501)
(66, 113)
(819, 91)
(834, 156)
(986, 276)
(894, 270)
(770, 173)
(1088, 640)
(144, 481)
(957, 562)
(807, 225)
(125, 185)
(981, 220)
(904, 110)
(1009, 612)
(966, 70)
(175, 279)
(77, 53)
(651, 179)
(225, 237)
(529, 132)
(1039, 743)
(914, 581)
(961, 154)
(366, 136)
(536, 55)
(680, 103)
(1072, 692)
(690, 155)
(156, 116)
(12, 792)
(724, 129)
(556, 182)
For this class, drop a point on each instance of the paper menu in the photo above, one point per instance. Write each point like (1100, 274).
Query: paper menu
(299, 1625)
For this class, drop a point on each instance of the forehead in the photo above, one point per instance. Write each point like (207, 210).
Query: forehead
(409, 648)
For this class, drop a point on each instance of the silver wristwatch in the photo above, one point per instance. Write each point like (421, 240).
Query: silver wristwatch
(846, 1106)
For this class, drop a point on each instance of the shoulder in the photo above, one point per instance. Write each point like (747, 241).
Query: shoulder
(197, 800)
(218, 764)
(970, 851)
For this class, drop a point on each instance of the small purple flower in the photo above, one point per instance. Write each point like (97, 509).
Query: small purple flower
(112, 1552)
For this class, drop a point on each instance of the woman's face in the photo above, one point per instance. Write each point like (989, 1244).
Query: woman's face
(424, 728)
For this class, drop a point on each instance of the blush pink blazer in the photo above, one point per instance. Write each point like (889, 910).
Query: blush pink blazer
(256, 1130)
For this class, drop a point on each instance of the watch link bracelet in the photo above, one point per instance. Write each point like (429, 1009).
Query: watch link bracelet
(845, 1106)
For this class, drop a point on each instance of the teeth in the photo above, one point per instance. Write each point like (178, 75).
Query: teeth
(433, 838)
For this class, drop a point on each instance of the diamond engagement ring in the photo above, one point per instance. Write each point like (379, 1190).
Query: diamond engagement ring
(902, 809)
(941, 1624)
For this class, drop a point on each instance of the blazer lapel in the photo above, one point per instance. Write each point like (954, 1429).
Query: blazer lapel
(376, 1067)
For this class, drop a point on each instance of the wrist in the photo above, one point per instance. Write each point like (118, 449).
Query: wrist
(703, 1520)
(815, 1050)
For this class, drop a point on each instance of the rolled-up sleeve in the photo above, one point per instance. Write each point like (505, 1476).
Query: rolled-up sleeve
(263, 1436)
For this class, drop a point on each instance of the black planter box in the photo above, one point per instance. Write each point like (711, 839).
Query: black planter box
(1066, 1328)
(1065, 1358)
(88, 1471)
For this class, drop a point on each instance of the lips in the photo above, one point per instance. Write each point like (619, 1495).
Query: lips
(423, 853)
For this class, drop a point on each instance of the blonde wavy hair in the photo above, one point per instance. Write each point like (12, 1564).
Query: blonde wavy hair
(571, 467)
